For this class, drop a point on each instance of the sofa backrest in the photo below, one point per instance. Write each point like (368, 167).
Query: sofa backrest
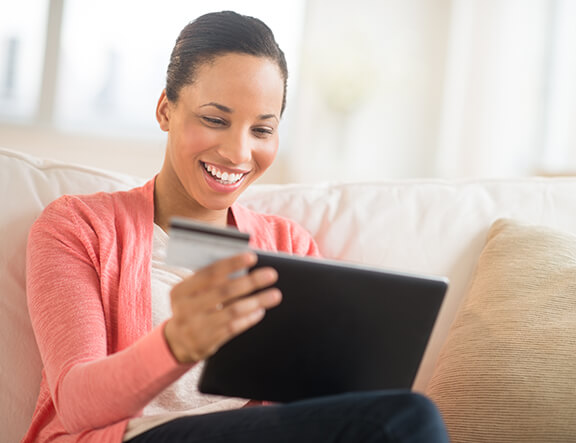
(425, 226)
(28, 184)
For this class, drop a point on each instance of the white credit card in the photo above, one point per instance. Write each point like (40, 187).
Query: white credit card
(194, 245)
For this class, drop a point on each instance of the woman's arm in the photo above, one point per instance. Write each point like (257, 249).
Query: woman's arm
(89, 387)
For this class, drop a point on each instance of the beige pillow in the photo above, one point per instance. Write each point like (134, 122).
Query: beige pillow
(507, 372)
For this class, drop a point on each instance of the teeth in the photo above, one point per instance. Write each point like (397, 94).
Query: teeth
(225, 177)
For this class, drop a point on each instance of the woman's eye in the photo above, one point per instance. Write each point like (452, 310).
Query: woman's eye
(211, 121)
(263, 132)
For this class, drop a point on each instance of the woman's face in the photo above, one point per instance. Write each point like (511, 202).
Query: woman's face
(222, 132)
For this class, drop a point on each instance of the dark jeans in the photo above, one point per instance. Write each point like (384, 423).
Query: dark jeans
(388, 416)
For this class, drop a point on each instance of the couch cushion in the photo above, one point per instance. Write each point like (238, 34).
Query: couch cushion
(28, 184)
(507, 372)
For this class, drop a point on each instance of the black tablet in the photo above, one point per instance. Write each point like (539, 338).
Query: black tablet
(340, 328)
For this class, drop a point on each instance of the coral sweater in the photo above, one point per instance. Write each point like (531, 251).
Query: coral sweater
(89, 296)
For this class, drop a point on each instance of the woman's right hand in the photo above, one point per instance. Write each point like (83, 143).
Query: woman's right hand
(210, 306)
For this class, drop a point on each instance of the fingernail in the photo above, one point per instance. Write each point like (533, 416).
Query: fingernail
(271, 274)
(257, 315)
(277, 295)
(252, 258)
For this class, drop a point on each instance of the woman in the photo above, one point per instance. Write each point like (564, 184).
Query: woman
(122, 336)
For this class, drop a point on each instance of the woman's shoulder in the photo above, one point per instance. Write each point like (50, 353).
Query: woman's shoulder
(97, 207)
(274, 232)
(249, 218)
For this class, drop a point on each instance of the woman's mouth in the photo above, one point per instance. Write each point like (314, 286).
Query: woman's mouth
(224, 178)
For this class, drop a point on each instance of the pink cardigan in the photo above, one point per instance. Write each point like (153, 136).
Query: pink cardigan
(89, 293)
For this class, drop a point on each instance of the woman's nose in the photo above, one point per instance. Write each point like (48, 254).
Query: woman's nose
(237, 147)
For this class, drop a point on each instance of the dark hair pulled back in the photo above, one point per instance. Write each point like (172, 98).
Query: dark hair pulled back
(215, 34)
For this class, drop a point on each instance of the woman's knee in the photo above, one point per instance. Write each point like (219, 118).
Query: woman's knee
(422, 404)
(419, 412)
(403, 416)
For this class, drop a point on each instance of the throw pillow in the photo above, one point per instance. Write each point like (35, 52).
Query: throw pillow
(507, 372)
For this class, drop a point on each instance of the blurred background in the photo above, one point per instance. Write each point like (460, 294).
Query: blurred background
(378, 89)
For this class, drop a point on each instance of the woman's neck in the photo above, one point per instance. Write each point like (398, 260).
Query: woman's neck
(166, 208)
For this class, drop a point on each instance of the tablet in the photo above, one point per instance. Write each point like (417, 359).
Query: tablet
(340, 328)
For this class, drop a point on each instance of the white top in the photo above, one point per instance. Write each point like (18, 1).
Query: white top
(182, 397)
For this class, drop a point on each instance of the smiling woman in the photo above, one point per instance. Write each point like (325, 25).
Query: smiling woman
(123, 336)
(222, 133)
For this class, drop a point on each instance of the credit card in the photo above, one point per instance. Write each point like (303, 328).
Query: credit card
(193, 245)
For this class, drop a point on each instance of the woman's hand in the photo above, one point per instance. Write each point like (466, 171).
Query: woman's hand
(210, 307)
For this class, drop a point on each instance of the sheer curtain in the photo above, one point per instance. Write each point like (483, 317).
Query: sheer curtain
(435, 88)
(559, 146)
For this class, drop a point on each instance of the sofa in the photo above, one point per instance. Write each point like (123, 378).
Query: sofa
(500, 363)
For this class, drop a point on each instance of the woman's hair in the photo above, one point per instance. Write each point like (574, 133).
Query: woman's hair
(215, 34)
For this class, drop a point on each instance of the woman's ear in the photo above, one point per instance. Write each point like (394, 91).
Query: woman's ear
(163, 112)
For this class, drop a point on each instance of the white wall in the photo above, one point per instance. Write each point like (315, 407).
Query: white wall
(371, 89)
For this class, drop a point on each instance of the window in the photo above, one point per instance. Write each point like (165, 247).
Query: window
(111, 57)
(22, 34)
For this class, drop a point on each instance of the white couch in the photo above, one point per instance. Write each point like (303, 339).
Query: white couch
(430, 226)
